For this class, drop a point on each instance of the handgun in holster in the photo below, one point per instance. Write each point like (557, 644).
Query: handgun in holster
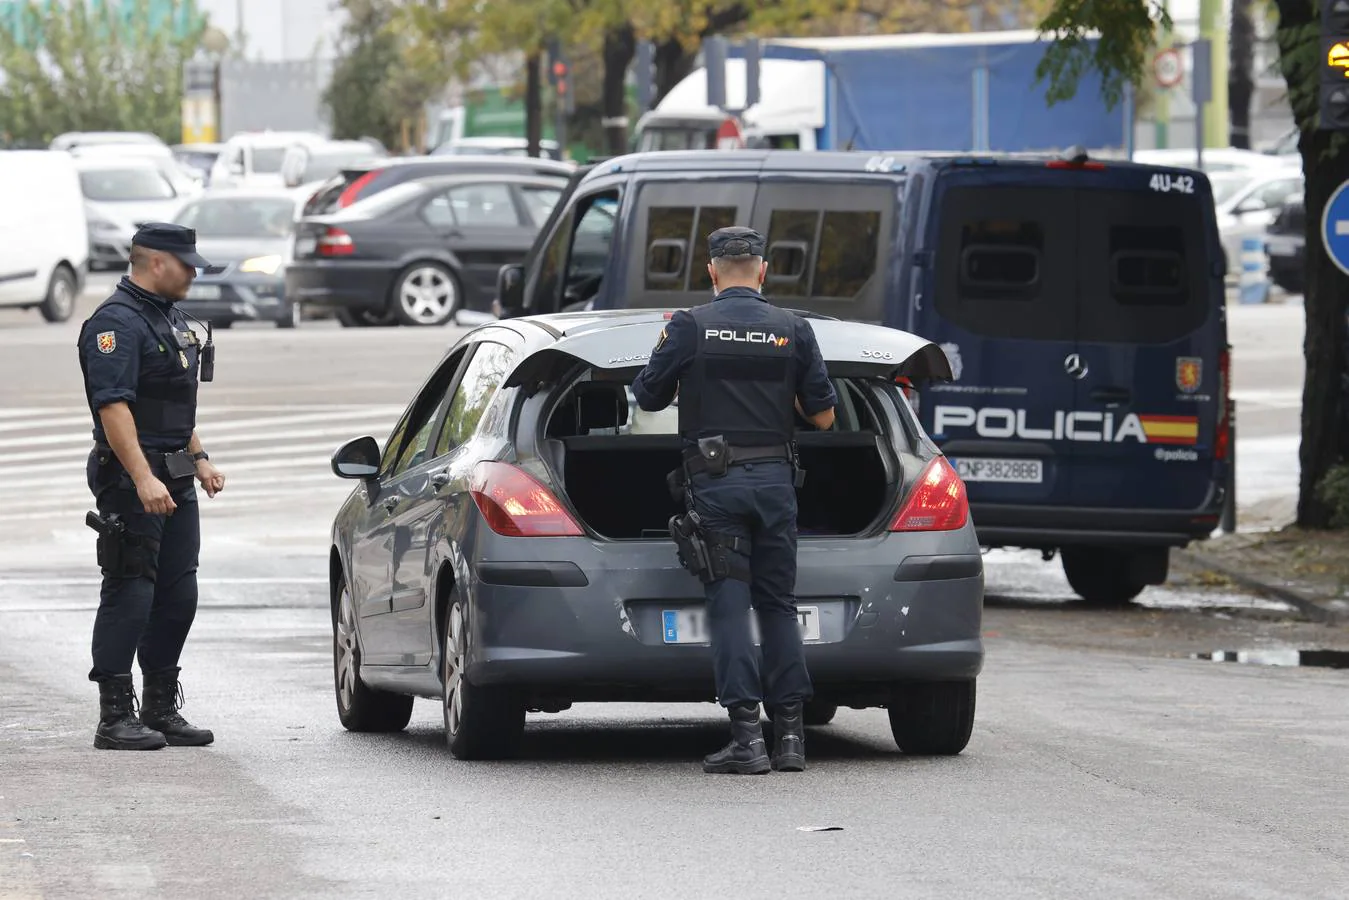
(119, 554)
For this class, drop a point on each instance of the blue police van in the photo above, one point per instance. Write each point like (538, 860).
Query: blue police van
(1080, 303)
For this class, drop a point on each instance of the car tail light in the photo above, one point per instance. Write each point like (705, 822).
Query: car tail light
(514, 503)
(348, 196)
(1090, 165)
(1223, 439)
(336, 242)
(936, 502)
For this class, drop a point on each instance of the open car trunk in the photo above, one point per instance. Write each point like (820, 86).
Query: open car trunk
(617, 484)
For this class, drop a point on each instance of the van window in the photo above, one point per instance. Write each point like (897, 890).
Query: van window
(828, 245)
(1143, 269)
(995, 270)
(677, 245)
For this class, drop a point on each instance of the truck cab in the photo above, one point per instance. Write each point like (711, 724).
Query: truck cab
(1079, 302)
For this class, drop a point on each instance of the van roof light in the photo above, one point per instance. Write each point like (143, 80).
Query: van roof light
(1075, 157)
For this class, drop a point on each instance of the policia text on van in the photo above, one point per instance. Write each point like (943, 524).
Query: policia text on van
(1080, 304)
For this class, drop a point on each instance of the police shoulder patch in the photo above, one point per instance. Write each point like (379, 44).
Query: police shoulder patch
(107, 341)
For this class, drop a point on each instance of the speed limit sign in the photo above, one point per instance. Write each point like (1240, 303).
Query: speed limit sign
(1168, 68)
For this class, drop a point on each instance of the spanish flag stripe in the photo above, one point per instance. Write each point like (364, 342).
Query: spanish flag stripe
(1169, 429)
(1167, 439)
(1187, 419)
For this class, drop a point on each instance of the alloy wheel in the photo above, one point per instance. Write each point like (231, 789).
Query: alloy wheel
(454, 670)
(428, 295)
(346, 649)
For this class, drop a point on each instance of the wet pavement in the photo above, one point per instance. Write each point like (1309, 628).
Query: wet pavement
(1106, 760)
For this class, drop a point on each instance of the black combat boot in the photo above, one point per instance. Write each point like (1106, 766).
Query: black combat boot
(789, 739)
(163, 699)
(118, 727)
(746, 754)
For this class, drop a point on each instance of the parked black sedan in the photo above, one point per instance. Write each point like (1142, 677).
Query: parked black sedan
(1284, 242)
(420, 251)
(507, 548)
(245, 235)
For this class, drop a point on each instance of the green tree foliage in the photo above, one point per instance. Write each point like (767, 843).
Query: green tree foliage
(96, 67)
(1127, 28)
(373, 91)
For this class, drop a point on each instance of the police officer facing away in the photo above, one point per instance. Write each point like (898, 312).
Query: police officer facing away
(141, 363)
(740, 366)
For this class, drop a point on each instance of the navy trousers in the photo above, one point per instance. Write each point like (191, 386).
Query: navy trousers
(755, 501)
(139, 617)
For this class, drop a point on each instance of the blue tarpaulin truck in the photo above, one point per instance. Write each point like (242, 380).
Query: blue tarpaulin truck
(961, 92)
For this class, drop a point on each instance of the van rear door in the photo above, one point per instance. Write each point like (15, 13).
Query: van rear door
(999, 297)
(1151, 336)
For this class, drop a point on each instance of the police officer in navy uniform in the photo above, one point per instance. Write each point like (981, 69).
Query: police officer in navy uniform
(141, 363)
(742, 369)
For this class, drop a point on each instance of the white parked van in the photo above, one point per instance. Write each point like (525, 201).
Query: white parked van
(44, 234)
(253, 159)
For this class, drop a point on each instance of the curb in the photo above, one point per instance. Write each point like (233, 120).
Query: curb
(1322, 611)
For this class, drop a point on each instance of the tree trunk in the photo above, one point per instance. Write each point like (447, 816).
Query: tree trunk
(533, 105)
(1323, 346)
(1324, 300)
(673, 65)
(1241, 73)
(620, 46)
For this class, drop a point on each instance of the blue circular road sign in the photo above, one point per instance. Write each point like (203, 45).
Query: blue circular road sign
(1335, 228)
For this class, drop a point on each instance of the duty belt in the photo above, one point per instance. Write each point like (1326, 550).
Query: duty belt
(695, 464)
(153, 457)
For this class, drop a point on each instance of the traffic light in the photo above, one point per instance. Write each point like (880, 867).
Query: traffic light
(1334, 65)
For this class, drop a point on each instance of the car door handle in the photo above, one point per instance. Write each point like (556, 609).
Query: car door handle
(1111, 395)
(440, 479)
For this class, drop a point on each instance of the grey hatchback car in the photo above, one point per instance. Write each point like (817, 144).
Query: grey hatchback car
(507, 550)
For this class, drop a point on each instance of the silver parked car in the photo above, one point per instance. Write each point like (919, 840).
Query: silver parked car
(507, 550)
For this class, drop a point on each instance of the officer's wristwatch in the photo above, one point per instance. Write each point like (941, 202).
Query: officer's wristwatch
(200, 455)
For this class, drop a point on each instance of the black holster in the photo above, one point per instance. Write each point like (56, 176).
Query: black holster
(710, 555)
(121, 554)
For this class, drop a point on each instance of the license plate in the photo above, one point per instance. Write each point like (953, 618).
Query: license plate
(689, 625)
(1014, 471)
(203, 292)
(305, 246)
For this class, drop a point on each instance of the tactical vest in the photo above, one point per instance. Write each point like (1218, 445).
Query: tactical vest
(166, 396)
(742, 382)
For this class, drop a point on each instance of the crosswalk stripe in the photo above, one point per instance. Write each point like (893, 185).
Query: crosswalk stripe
(224, 427)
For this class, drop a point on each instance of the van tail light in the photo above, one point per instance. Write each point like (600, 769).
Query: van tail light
(936, 502)
(336, 242)
(514, 503)
(1222, 441)
(348, 196)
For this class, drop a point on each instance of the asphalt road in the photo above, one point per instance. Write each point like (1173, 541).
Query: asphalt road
(1106, 761)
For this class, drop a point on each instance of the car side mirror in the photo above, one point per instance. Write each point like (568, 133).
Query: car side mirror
(357, 459)
(510, 290)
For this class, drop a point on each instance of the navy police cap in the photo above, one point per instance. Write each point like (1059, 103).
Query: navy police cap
(175, 239)
(735, 241)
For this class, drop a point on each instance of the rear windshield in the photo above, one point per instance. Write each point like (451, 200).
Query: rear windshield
(1070, 264)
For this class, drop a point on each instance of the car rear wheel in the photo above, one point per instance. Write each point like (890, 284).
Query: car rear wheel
(59, 304)
(933, 719)
(814, 712)
(481, 722)
(360, 708)
(1102, 576)
(426, 294)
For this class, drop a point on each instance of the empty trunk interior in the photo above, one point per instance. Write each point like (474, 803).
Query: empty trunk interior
(618, 483)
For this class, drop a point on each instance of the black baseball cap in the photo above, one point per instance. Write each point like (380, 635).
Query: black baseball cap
(175, 239)
(735, 241)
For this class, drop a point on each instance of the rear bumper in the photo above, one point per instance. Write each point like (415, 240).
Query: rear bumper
(588, 625)
(1039, 527)
(347, 284)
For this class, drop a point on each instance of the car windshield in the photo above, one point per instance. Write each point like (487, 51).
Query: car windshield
(239, 217)
(267, 160)
(1226, 186)
(110, 185)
